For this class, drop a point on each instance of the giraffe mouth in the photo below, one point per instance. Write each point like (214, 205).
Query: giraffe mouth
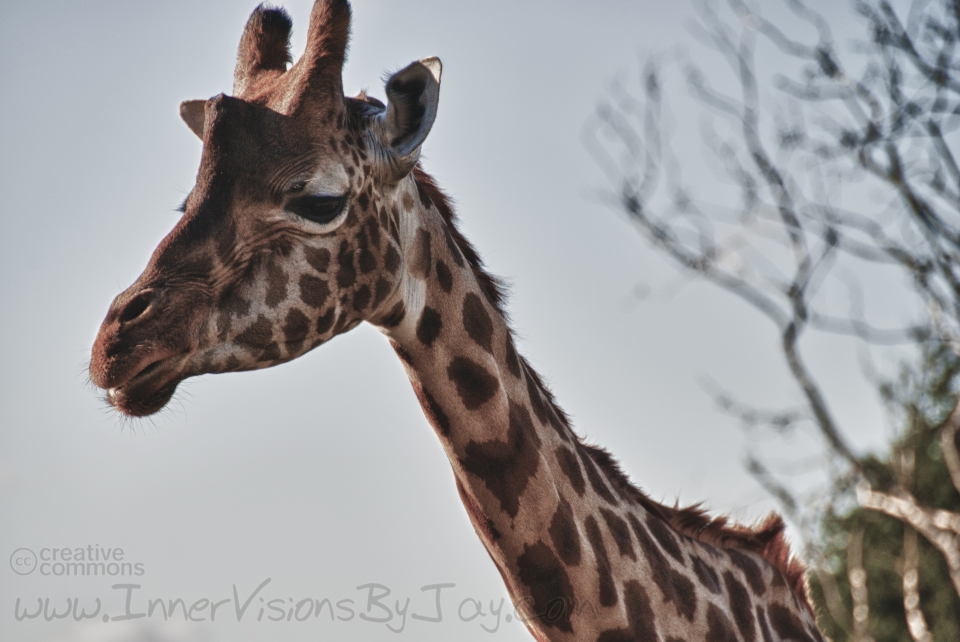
(148, 391)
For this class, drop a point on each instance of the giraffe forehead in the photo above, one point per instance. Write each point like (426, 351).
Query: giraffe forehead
(265, 148)
(236, 126)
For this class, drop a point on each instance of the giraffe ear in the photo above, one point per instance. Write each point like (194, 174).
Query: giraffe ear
(193, 114)
(412, 97)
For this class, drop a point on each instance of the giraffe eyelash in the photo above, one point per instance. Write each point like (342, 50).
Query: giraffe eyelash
(317, 208)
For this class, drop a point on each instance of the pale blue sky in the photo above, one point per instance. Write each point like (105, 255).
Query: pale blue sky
(322, 474)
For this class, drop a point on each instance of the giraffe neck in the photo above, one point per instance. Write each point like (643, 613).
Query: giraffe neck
(485, 403)
(583, 554)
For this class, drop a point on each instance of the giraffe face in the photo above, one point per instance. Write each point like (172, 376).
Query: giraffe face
(290, 235)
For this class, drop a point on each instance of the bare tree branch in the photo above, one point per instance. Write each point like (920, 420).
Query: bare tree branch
(850, 167)
(916, 622)
(857, 575)
(941, 528)
(948, 445)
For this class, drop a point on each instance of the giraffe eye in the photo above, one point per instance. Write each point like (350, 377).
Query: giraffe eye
(319, 209)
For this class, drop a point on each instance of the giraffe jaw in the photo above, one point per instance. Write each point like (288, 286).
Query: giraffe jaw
(148, 391)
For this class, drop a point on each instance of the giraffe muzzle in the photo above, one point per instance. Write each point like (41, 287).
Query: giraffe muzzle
(141, 351)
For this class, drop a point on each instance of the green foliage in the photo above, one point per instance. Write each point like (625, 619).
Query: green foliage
(922, 399)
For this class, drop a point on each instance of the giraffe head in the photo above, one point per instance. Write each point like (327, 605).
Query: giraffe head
(291, 234)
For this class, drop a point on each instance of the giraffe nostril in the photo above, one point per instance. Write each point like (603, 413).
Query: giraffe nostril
(136, 306)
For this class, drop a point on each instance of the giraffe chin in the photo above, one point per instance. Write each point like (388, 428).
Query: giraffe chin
(146, 393)
(135, 402)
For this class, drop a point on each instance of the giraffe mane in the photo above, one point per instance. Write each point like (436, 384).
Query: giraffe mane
(492, 287)
(766, 538)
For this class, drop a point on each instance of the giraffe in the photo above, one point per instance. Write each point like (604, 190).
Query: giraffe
(310, 215)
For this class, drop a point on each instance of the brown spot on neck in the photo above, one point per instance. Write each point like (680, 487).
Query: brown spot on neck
(549, 586)
(506, 467)
(474, 383)
(429, 326)
(477, 322)
(741, 607)
(564, 534)
(607, 590)
(422, 258)
(444, 278)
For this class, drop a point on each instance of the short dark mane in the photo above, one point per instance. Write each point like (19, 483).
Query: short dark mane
(766, 539)
(491, 286)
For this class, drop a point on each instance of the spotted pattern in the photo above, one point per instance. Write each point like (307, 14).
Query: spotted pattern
(675, 587)
(564, 534)
(318, 258)
(548, 586)
(641, 621)
(444, 278)
(256, 336)
(666, 537)
(786, 624)
(367, 262)
(506, 467)
(607, 591)
(741, 607)
(325, 322)
(233, 307)
(429, 326)
(296, 327)
(372, 228)
(270, 353)
(314, 291)
(620, 532)
(361, 298)
(452, 247)
(568, 463)
(474, 383)
(536, 400)
(544, 410)
(382, 289)
(751, 571)
(707, 576)
(477, 322)
(346, 274)
(513, 361)
(424, 197)
(719, 626)
(391, 260)
(596, 480)
(422, 260)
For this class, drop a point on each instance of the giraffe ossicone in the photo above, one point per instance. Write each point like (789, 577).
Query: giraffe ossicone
(310, 215)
